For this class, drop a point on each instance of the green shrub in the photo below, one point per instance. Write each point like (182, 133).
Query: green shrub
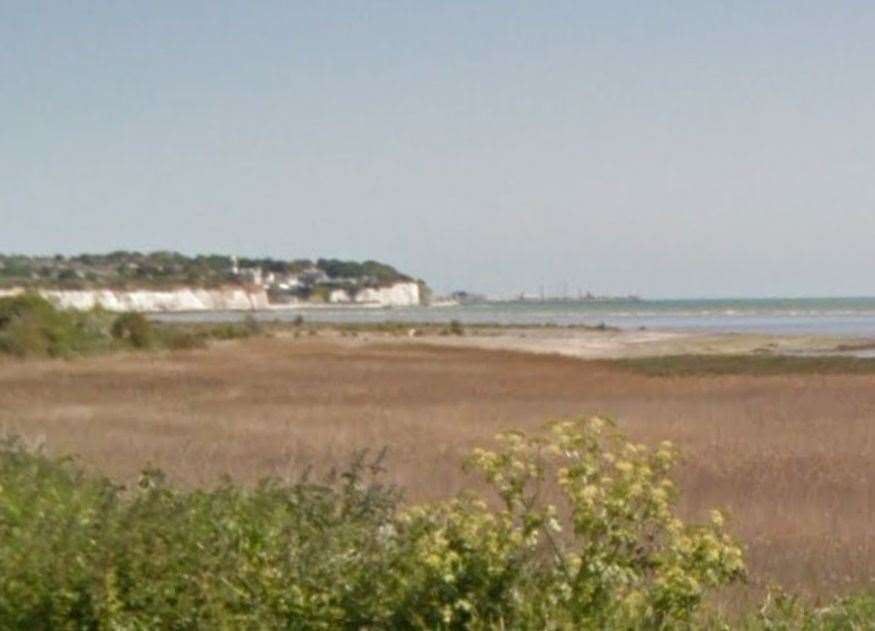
(78, 552)
(54, 523)
(26, 337)
(625, 560)
(134, 329)
(31, 326)
(25, 305)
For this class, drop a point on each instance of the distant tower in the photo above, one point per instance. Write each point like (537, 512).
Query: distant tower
(235, 265)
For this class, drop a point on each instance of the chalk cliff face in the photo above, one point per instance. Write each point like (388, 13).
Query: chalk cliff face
(183, 299)
(397, 295)
(339, 297)
(227, 299)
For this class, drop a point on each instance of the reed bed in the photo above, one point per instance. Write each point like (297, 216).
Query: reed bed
(790, 457)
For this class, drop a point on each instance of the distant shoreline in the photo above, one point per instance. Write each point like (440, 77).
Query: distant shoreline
(849, 317)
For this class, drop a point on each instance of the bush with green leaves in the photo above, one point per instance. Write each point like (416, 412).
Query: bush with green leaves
(134, 329)
(79, 552)
(343, 552)
(31, 326)
(612, 553)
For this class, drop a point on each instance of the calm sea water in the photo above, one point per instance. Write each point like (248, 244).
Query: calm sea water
(830, 316)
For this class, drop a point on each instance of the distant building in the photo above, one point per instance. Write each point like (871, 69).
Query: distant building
(313, 276)
(287, 281)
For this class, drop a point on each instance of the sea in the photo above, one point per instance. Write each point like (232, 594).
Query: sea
(854, 317)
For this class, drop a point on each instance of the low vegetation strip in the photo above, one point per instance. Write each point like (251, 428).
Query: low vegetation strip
(79, 552)
(720, 365)
(31, 326)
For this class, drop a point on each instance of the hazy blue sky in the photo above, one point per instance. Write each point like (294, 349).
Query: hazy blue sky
(667, 148)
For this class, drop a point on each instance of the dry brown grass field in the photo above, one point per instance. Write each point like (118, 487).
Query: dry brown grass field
(792, 458)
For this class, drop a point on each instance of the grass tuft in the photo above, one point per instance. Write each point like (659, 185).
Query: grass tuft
(753, 365)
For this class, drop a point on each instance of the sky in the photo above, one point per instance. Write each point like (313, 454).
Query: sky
(670, 149)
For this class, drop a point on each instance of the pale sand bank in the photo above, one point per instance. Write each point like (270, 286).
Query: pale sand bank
(638, 343)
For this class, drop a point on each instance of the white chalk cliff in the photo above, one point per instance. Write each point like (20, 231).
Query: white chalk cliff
(182, 299)
(226, 299)
(397, 295)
